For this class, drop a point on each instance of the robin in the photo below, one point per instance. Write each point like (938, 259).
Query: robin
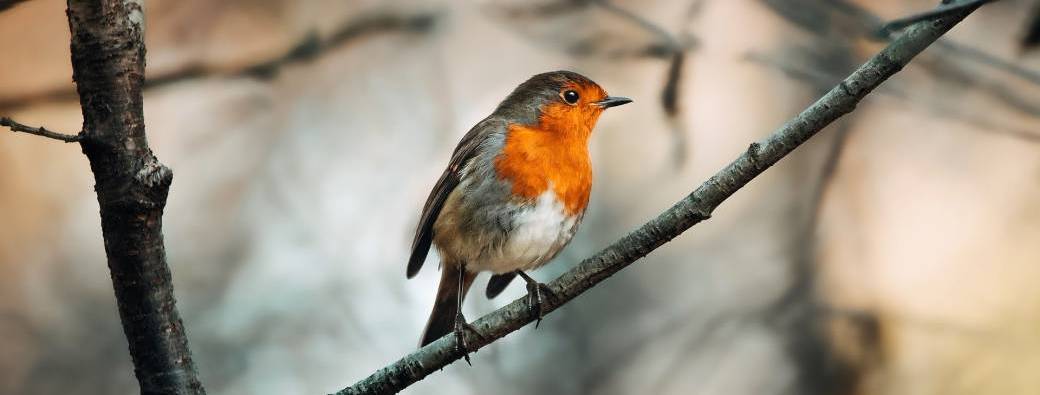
(512, 196)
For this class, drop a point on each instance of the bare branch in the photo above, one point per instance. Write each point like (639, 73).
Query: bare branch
(961, 51)
(693, 209)
(956, 49)
(313, 46)
(107, 44)
(39, 131)
(938, 12)
(819, 79)
(869, 25)
(309, 48)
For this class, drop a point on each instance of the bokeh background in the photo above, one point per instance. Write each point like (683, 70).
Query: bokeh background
(898, 252)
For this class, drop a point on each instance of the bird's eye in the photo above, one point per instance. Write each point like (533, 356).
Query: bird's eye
(570, 96)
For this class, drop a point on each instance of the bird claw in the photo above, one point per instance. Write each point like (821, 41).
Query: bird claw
(536, 294)
(460, 336)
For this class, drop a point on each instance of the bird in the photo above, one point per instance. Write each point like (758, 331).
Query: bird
(512, 195)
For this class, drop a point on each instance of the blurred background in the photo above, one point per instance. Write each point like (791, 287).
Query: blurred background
(898, 252)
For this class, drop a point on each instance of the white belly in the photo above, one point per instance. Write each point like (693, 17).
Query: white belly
(538, 233)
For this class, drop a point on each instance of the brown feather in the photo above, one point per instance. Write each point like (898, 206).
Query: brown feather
(465, 151)
(446, 306)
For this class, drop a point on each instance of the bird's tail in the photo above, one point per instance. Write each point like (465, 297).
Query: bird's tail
(446, 306)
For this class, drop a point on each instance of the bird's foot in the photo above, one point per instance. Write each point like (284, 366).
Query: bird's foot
(460, 336)
(537, 294)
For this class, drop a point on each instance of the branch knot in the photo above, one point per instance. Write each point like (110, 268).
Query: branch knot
(154, 174)
(752, 153)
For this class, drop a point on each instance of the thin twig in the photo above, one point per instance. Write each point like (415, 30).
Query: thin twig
(938, 12)
(39, 131)
(691, 210)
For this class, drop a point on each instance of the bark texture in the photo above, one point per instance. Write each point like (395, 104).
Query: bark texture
(695, 208)
(108, 67)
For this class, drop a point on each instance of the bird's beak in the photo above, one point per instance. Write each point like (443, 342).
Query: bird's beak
(612, 101)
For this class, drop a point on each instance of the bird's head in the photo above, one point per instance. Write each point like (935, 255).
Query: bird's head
(558, 102)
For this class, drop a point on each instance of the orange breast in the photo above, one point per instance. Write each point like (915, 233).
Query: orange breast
(535, 158)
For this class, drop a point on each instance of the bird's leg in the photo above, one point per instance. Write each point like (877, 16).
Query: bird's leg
(460, 322)
(536, 293)
(460, 336)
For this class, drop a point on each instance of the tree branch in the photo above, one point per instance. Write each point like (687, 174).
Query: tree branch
(308, 48)
(941, 11)
(958, 51)
(819, 79)
(869, 25)
(108, 68)
(39, 131)
(693, 209)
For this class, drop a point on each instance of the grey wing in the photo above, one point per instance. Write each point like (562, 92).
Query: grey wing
(465, 151)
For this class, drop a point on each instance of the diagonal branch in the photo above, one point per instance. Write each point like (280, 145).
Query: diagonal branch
(938, 12)
(981, 123)
(693, 209)
(39, 131)
(947, 51)
(952, 49)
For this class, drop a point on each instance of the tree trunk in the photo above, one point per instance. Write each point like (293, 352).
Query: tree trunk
(108, 68)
